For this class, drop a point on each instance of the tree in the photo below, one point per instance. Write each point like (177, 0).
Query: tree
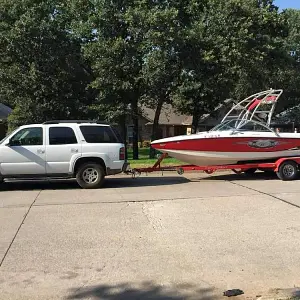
(161, 67)
(261, 47)
(203, 77)
(135, 52)
(289, 75)
(112, 47)
(43, 74)
(161, 74)
(235, 48)
(165, 25)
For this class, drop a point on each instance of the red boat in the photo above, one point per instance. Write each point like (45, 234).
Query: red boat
(244, 135)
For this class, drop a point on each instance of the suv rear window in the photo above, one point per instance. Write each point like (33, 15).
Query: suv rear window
(98, 134)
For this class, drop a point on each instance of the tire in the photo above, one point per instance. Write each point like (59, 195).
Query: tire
(90, 176)
(288, 170)
(250, 171)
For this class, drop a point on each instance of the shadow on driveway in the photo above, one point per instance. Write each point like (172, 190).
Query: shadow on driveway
(159, 180)
(39, 185)
(237, 177)
(110, 182)
(145, 291)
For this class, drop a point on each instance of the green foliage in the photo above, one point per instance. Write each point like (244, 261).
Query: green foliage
(145, 162)
(43, 74)
(289, 76)
(112, 49)
(234, 48)
(102, 59)
(146, 144)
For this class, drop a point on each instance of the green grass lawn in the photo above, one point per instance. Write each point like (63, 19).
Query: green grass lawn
(144, 160)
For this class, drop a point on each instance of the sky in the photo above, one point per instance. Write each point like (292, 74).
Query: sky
(288, 3)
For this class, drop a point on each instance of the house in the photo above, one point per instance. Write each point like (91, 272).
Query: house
(210, 120)
(171, 123)
(287, 120)
(4, 112)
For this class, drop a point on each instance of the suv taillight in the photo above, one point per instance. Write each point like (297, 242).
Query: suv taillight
(122, 153)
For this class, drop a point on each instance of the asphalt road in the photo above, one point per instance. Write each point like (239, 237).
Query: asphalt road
(155, 237)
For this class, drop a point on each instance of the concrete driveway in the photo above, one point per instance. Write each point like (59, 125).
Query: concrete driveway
(155, 237)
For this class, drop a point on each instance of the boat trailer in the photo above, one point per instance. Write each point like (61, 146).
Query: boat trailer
(286, 168)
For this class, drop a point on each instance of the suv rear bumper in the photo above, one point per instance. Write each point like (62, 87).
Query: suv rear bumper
(125, 168)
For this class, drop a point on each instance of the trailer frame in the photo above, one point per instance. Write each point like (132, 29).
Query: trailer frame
(286, 168)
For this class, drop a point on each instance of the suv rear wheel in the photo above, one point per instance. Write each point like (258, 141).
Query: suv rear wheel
(90, 176)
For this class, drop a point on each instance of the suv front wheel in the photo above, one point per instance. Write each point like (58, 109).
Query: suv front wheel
(90, 176)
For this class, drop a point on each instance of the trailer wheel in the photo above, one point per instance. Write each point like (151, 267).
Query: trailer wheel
(288, 170)
(209, 171)
(250, 171)
(180, 171)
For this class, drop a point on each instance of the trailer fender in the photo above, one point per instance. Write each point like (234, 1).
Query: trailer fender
(280, 161)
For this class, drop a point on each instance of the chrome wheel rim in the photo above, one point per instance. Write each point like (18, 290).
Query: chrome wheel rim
(288, 170)
(90, 175)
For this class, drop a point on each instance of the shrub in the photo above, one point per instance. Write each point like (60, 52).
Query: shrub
(146, 144)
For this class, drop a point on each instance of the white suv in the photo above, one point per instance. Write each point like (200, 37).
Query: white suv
(84, 150)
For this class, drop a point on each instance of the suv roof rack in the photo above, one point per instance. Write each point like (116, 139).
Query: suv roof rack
(74, 121)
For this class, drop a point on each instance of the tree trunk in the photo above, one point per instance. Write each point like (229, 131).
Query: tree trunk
(135, 135)
(155, 126)
(195, 122)
(124, 132)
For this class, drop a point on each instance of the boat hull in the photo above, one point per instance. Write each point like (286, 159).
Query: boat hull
(199, 158)
(206, 150)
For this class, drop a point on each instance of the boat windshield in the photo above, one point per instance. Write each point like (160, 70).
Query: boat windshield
(227, 125)
(237, 125)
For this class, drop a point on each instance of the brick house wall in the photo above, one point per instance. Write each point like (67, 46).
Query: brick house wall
(145, 130)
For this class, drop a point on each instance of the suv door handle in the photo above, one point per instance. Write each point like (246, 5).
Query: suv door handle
(73, 150)
(40, 151)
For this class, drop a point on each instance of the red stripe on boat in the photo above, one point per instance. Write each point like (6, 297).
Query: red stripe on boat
(257, 101)
(229, 144)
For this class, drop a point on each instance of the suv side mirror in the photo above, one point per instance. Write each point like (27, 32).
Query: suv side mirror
(15, 143)
(12, 143)
(7, 143)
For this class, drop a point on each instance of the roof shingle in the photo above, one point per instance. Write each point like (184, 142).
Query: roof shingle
(168, 116)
